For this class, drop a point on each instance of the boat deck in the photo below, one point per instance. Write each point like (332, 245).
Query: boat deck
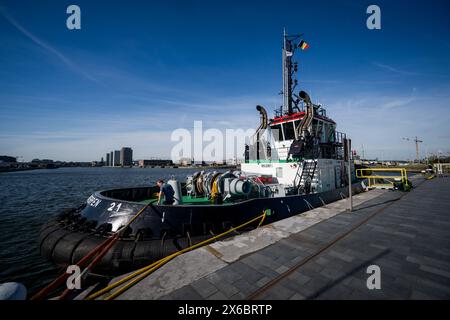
(324, 254)
(190, 201)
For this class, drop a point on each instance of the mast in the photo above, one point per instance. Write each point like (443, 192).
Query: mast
(289, 68)
(283, 59)
(287, 74)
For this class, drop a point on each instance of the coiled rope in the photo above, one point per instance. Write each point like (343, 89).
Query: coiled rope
(142, 273)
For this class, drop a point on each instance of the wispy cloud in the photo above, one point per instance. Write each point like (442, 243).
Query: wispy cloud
(74, 147)
(379, 122)
(53, 51)
(393, 69)
(397, 102)
(322, 81)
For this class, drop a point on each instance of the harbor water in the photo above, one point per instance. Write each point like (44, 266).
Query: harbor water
(28, 199)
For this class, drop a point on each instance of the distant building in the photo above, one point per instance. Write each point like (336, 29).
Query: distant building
(185, 162)
(111, 157)
(7, 159)
(116, 158)
(43, 161)
(108, 161)
(126, 156)
(154, 162)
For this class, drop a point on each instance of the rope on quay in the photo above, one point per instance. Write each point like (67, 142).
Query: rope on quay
(97, 253)
(142, 273)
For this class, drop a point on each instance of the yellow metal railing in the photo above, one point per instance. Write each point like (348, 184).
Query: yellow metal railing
(384, 181)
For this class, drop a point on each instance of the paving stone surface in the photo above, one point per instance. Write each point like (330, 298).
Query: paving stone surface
(408, 239)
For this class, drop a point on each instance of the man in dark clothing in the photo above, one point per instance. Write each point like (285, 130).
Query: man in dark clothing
(166, 190)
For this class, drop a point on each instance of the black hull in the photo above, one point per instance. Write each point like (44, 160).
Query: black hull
(160, 230)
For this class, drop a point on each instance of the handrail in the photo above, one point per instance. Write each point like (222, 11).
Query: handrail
(402, 176)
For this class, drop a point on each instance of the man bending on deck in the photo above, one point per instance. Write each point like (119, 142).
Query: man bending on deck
(166, 190)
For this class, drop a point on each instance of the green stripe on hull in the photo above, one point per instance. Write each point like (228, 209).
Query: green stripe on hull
(268, 161)
(274, 161)
(189, 200)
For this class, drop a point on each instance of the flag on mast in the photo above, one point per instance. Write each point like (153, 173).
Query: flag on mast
(303, 45)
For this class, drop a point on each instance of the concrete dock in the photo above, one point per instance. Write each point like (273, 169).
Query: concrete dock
(324, 254)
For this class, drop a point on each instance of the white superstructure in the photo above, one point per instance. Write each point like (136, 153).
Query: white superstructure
(305, 153)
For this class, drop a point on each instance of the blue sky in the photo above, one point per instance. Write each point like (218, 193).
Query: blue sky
(139, 69)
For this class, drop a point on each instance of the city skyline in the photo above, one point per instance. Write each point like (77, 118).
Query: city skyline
(133, 74)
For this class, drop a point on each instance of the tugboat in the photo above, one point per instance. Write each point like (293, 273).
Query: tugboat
(305, 168)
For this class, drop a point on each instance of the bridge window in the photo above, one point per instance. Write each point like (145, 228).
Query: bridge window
(288, 129)
(326, 132)
(276, 132)
(332, 134)
(317, 128)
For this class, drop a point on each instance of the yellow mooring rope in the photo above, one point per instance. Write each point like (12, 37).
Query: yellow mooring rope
(144, 272)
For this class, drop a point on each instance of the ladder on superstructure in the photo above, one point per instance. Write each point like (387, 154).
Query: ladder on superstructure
(307, 174)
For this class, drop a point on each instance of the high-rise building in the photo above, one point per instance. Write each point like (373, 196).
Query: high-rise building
(108, 161)
(126, 156)
(116, 158)
(111, 158)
